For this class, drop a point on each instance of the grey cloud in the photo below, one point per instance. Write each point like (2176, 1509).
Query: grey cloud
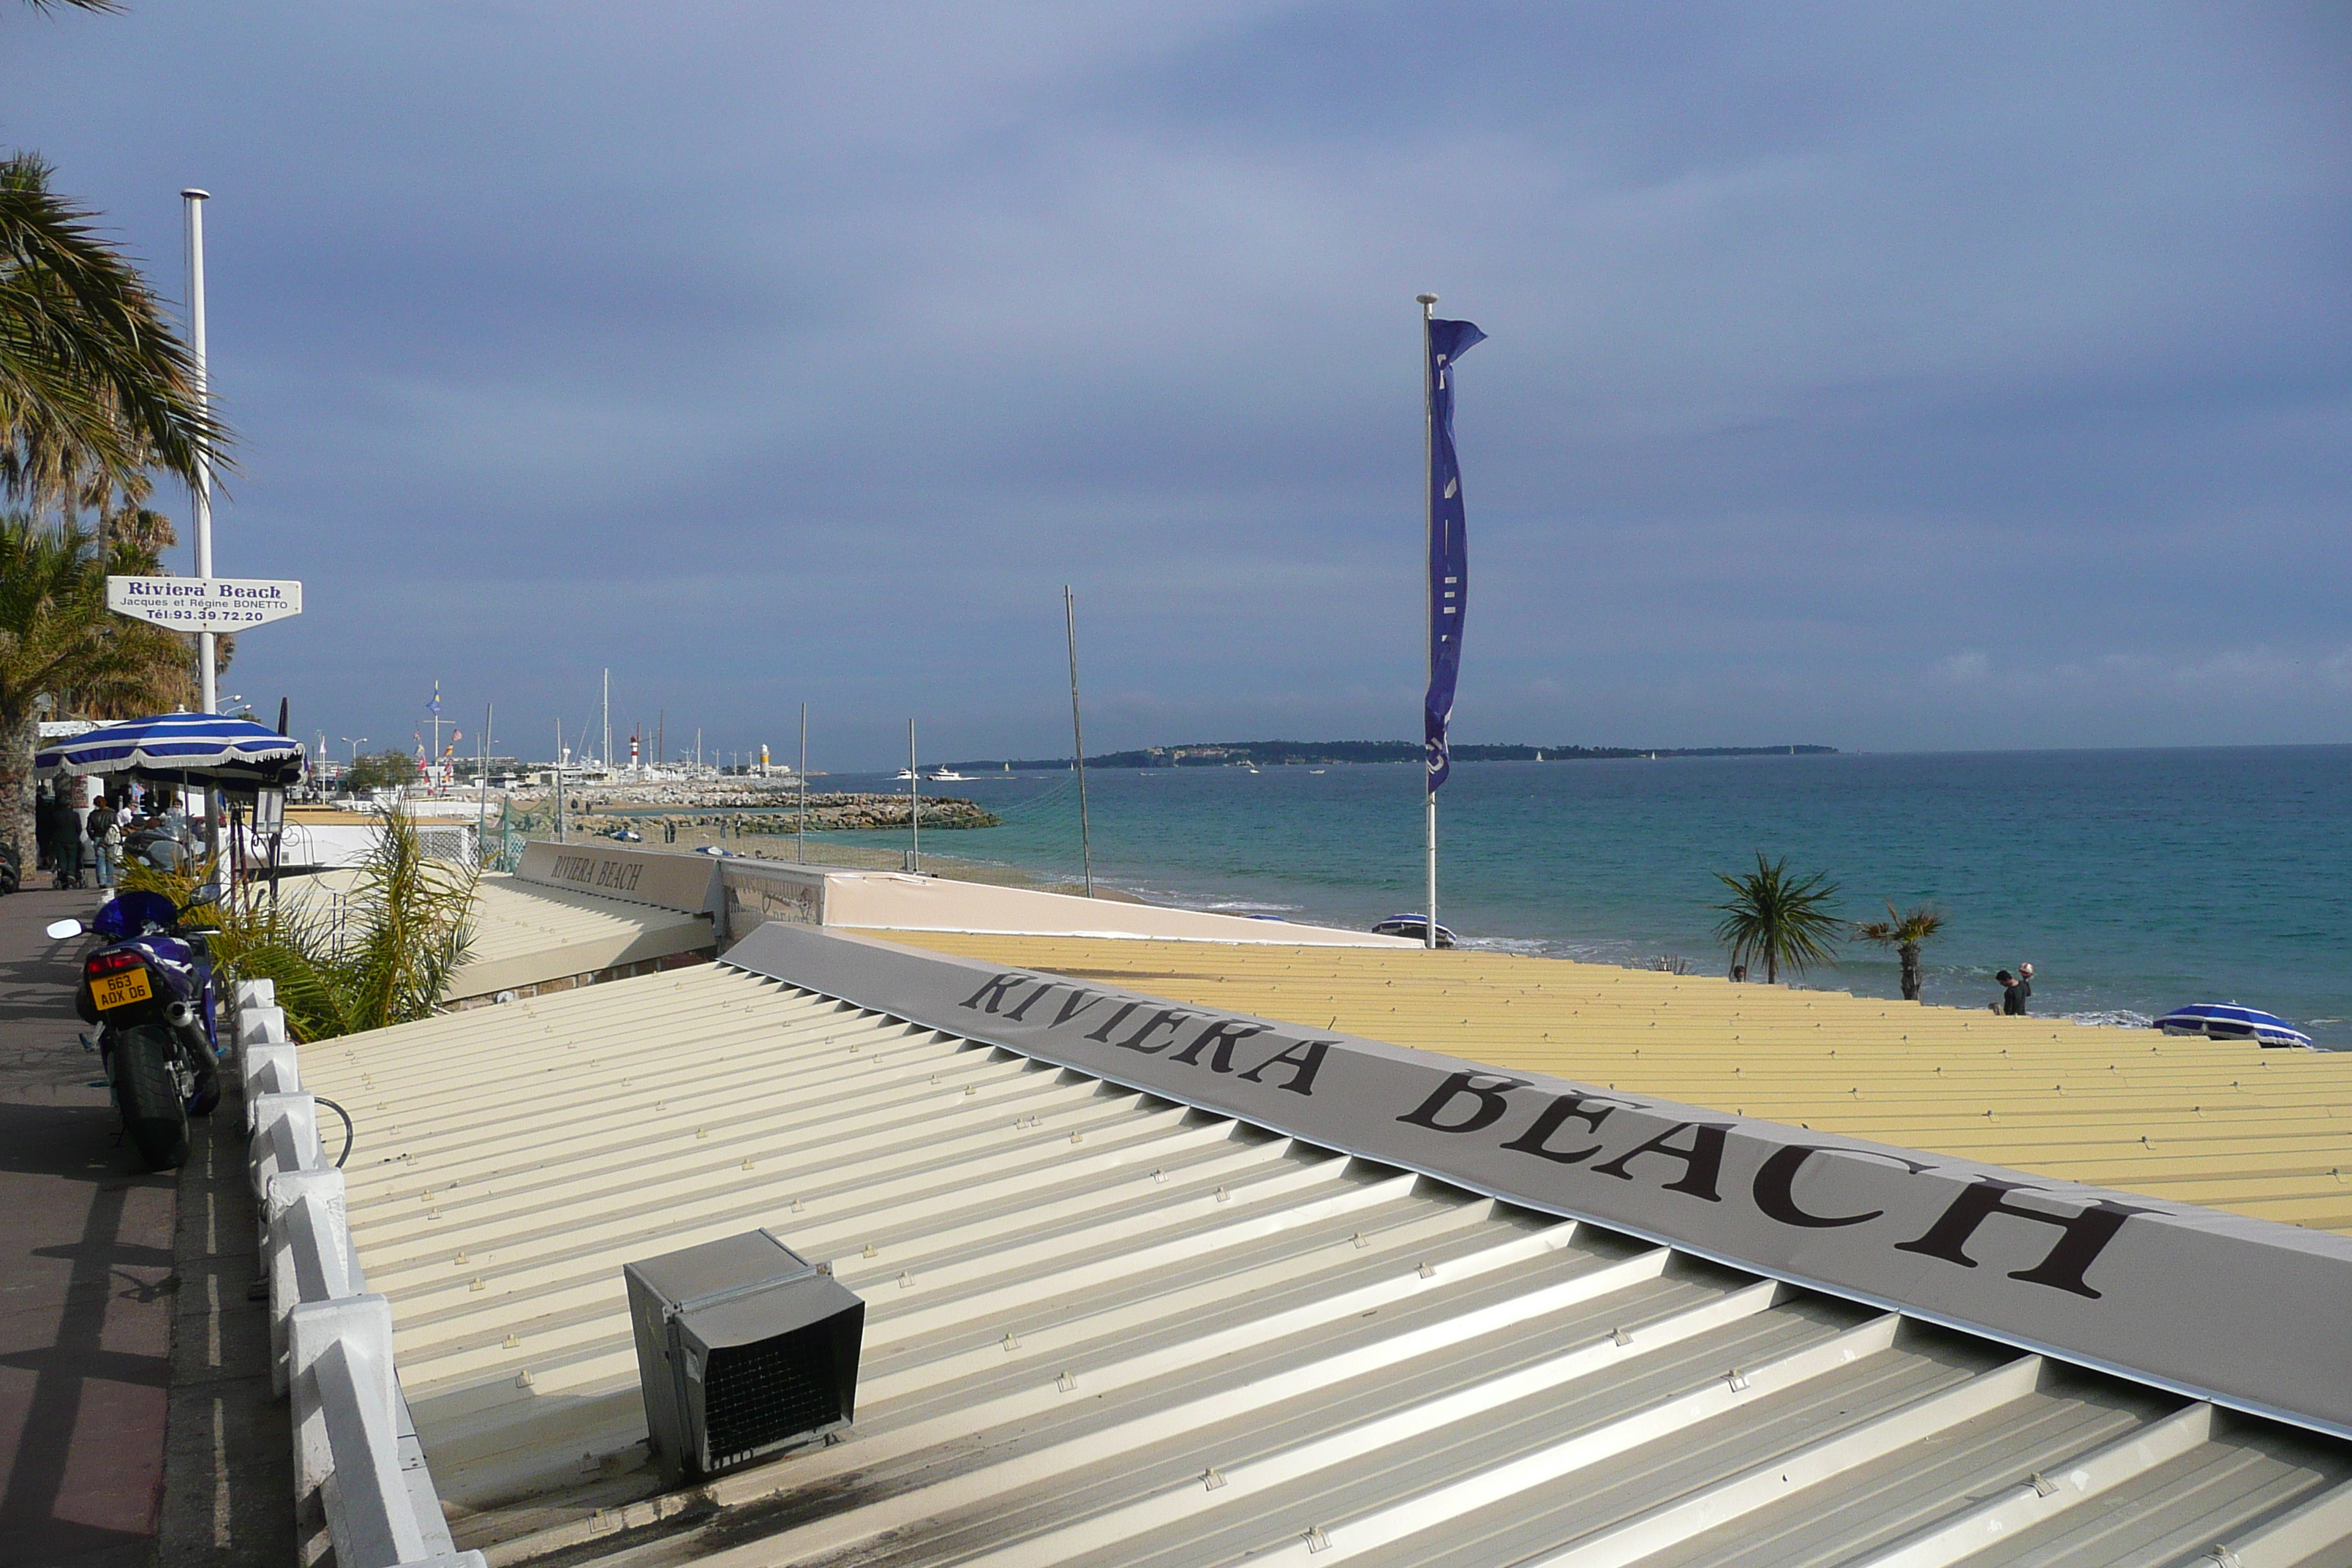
(769, 352)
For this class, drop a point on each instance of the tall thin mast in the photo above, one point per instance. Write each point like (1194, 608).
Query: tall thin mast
(482, 783)
(915, 804)
(200, 494)
(608, 720)
(1079, 738)
(1429, 630)
(800, 821)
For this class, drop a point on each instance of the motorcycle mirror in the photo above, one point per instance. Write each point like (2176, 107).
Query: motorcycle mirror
(60, 930)
(208, 894)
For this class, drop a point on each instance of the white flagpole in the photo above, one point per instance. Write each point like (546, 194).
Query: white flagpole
(1429, 637)
(201, 493)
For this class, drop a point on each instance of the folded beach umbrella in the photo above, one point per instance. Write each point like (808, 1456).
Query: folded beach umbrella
(2228, 1021)
(199, 750)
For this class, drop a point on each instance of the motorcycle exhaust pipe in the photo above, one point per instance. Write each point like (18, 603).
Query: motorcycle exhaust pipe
(180, 1013)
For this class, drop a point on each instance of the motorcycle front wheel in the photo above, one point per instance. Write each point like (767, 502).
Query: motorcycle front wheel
(147, 1093)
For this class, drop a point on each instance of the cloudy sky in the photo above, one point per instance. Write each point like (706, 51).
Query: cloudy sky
(1892, 377)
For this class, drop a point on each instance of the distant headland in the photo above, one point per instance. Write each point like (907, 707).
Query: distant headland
(1322, 753)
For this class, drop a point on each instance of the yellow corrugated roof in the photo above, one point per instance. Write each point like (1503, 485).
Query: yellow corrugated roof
(2261, 1132)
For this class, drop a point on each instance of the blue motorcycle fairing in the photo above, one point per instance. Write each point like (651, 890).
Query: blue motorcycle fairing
(133, 914)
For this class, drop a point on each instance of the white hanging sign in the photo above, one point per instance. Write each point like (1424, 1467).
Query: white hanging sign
(205, 604)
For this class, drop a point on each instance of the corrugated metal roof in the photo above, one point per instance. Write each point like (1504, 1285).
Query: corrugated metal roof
(2266, 1133)
(527, 934)
(1107, 1329)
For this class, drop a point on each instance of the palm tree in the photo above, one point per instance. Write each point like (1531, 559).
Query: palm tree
(1904, 934)
(57, 641)
(52, 602)
(93, 381)
(1786, 924)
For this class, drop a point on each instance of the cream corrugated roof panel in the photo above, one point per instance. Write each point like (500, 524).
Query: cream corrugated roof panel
(526, 933)
(1105, 1328)
(2266, 1133)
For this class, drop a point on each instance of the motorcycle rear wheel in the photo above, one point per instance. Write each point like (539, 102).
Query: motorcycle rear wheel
(149, 1095)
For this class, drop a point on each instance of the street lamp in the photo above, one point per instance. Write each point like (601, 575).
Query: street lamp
(354, 745)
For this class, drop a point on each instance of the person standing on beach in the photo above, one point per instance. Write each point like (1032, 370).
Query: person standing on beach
(2024, 987)
(2011, 1004)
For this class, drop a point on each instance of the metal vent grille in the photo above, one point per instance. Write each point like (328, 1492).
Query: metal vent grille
(744, 1349)
(757, 1395)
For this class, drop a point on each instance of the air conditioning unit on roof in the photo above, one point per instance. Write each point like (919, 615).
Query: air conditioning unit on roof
(744, 1350)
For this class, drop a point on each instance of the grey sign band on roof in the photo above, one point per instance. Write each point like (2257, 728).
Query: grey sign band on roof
(683, 882)
(2245, 1311)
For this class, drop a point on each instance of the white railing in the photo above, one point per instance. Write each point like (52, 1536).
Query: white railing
(357, 1461)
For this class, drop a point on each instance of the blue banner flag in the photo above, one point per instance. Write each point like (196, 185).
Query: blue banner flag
(1449, 553)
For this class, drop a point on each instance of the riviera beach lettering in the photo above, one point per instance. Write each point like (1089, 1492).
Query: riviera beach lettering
(204, 588)
(1606, 1138)
(2114, 1280)
(596, 871)
(1295, 1063)
(1691, 1155)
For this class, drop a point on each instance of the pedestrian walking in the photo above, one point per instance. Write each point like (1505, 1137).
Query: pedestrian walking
(2024, 987)
(105, 839)
(60, 834)
(2012, 1004)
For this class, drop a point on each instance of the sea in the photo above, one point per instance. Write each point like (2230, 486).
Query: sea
(2133, 881)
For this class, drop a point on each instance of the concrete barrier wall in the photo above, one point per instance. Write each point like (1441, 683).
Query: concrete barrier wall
(357, 1461)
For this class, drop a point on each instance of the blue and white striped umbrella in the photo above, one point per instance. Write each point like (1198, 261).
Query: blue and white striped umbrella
(2228, 1021)
(200, 749)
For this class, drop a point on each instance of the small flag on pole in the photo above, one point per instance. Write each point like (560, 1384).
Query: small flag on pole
(1449, 555)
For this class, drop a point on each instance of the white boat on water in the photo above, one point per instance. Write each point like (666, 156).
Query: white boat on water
(949, 776)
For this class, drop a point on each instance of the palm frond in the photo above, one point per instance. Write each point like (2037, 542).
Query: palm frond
(91, 374)
(404, 928)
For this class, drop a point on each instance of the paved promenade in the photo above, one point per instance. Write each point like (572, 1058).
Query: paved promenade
(86, 1278)
(112, 1339)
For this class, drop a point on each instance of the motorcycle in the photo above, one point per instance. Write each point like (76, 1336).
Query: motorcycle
(149, 988)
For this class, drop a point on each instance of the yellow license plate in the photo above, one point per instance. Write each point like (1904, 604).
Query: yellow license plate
(120, 990)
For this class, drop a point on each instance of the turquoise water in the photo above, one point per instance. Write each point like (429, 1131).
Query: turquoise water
(2133, 881)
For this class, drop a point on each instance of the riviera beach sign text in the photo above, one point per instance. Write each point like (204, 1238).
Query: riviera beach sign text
(2111, 1279)
(205, 604)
